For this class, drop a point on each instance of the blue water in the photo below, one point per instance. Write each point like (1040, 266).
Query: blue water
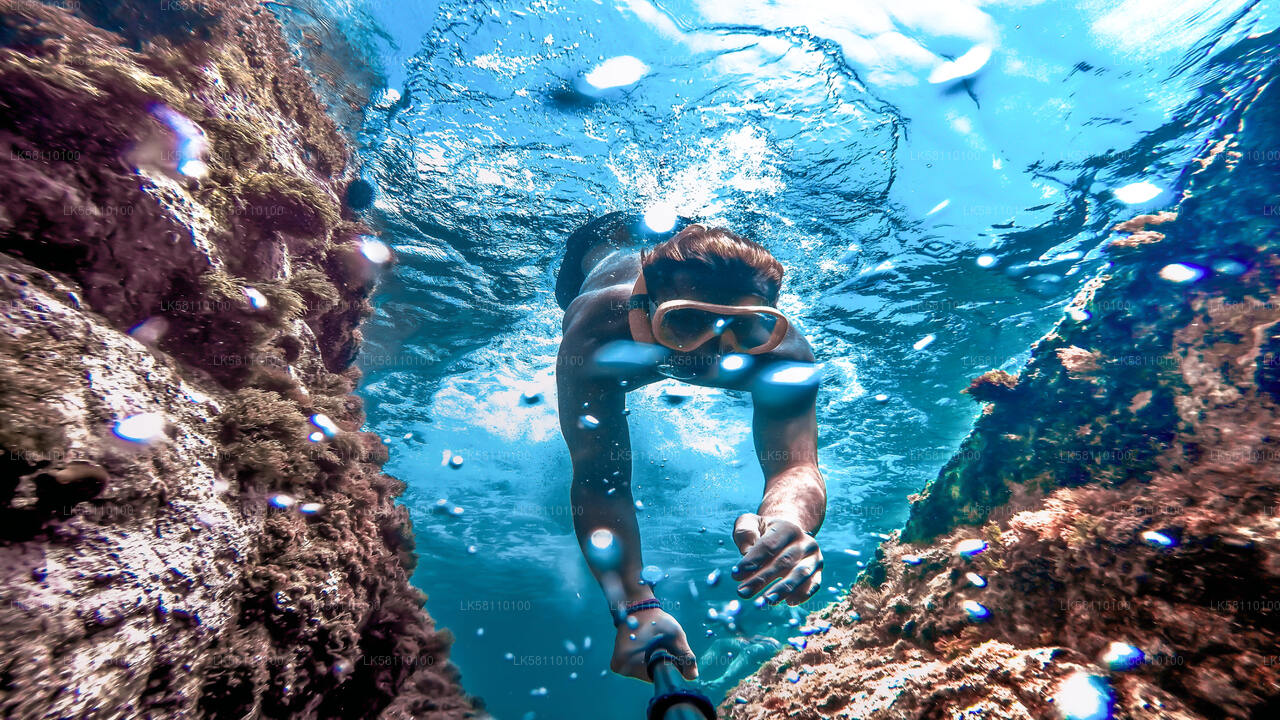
(930, 231)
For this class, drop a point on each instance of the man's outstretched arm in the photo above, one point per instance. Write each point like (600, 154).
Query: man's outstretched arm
(599, 441)
(776, 541)
(596, 432)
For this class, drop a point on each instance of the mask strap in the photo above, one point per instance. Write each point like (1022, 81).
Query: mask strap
(638, 312)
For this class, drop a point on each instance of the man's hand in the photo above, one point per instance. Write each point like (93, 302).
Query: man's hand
(655, 629)
(775, 548)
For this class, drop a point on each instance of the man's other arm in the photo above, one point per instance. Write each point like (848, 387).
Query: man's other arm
(776, 541)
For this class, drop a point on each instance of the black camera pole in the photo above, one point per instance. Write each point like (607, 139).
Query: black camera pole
(672, 699)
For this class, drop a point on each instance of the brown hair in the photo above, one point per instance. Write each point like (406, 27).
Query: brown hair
(732, 263)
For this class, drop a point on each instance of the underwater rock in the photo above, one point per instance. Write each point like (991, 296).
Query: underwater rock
(1136, 232)
(992, 385)
(174, 543)
(1124, 484)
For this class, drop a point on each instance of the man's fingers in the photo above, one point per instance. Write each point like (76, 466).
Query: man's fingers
(794, 563)
(777, 568)
(787, 588)
(758, 554)
(746, 531)
(812, 583)
(774, 539)
(675, 643)
(807, 590)
(688, 664)
(628, 668)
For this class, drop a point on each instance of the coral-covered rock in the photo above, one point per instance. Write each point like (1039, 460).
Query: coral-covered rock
(992, 385)
(191, 522)
(1109, 529)
(1136, 232)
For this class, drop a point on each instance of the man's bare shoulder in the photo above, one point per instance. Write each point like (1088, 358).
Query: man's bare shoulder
(591, 321)
(599, 315)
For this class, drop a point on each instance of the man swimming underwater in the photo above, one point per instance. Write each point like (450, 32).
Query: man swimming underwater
(698, 307)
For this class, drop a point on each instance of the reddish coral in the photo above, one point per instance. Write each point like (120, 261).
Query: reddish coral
(992, 385)
(1137, 233)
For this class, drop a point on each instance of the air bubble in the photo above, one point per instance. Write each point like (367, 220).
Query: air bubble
(971, 547)
(141, 428)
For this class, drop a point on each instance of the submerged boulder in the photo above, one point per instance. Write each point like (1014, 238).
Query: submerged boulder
(191, 522)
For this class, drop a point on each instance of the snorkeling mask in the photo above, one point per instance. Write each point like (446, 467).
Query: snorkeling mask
(686, 324)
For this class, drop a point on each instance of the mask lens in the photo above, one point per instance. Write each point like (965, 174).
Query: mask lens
(685, 326)
(754, 330)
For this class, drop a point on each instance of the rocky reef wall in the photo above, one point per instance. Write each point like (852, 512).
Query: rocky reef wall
(191, 522)
(1123, 488)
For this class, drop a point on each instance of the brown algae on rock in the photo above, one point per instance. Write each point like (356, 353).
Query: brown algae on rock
(180, 293)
